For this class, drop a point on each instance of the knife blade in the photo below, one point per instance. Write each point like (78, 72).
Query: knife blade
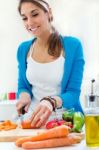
(20, 117)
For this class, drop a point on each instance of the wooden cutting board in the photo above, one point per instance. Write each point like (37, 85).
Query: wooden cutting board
(13, 135)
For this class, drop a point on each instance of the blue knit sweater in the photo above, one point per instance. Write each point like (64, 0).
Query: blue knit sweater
(72, 76)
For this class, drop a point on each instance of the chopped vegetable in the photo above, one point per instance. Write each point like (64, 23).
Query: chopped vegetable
(26, 124)
(7, 125)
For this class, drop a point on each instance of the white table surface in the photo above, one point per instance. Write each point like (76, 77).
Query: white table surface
(11, 145)
(80, 146)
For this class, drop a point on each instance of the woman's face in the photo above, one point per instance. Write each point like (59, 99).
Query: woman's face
(35, 19)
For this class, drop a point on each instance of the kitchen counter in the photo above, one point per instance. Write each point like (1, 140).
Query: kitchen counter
(10, 106)
(11, 146)
(80, 146)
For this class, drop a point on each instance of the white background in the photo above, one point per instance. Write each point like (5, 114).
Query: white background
(78, 18)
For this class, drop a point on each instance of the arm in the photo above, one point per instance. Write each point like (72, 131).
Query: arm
(24, 88)
(70, 96)
(23, 84)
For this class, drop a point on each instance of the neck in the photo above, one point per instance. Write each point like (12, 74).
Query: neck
(43, 40)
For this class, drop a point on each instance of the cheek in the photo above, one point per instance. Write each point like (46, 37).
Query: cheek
(45, 22)
(25, 25)
(44, 19)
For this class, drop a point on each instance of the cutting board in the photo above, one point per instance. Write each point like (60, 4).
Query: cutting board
(13, 135)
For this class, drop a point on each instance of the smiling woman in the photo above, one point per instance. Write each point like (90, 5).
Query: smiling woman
(37, 20)
(48, 65)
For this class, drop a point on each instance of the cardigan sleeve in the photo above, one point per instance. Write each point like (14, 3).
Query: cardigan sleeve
(70, 96)
(23, 84)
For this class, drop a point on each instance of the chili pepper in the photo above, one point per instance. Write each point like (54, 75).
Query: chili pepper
(78, 122)
(68, 115)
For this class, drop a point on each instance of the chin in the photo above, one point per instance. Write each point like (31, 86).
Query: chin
(37, 35)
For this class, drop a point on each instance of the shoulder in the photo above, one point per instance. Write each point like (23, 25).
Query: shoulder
(71, 44)
(23, 48)
(71, 41)
(25, 44)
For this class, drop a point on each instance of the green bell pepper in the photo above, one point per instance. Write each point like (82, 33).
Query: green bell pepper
(68, 115)
(78, 122)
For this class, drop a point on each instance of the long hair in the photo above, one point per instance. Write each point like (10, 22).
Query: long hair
(54, 41)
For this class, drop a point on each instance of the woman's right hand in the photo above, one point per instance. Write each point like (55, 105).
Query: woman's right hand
(24, 101)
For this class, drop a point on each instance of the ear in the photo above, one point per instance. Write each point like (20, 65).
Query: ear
(50, 15)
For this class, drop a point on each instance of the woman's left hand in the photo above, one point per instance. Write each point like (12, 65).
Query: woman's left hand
(41, 114)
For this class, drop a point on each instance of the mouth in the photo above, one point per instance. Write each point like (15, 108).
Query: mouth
(33, 29)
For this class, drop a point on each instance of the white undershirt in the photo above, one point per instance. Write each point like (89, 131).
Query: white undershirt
(45, 78)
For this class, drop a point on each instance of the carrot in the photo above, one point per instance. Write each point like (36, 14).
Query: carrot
(50, 143)
(7, 125)
(60, 131)
(26, 125)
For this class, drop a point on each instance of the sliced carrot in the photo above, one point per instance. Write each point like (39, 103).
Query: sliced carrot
(10, 127)
(26, 125)
(60, 131)
(50, 143)
(7, 125)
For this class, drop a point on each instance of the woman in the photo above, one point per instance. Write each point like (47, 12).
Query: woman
(50, 65)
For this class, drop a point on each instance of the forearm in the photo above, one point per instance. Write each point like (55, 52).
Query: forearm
(69, 99)
(24, 94)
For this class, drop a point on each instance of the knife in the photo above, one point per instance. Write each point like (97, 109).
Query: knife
(21, 117)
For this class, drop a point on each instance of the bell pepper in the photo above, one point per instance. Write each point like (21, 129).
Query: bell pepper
(78, 122)
(68, 115)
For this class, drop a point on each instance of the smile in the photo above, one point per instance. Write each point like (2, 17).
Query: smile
(33, 29)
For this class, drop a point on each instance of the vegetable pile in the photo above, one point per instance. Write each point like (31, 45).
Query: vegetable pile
(75, 120)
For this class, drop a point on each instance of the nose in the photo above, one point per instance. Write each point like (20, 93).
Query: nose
(29, 21)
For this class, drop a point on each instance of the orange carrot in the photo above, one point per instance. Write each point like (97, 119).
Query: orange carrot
(50, 143)
(60, 131)
(7, 125)
(26, 125)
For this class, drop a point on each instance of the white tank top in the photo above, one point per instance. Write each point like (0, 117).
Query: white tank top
(45, 78)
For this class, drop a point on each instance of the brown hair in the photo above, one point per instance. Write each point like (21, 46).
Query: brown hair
(54, 41)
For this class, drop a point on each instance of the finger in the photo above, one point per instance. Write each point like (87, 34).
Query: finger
(43, 119)
(46, 118)
(19, 107)
(37, 117)
(35, 112)
(27, 107)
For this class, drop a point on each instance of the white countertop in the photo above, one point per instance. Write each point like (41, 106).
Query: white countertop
(80, 146)
(10, 106)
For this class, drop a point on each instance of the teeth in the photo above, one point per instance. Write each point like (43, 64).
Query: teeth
(33, 29)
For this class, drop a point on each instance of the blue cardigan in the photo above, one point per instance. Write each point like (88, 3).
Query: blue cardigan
(72, 76)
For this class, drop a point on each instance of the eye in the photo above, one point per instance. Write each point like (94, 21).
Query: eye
(24, 18)
(34, 15)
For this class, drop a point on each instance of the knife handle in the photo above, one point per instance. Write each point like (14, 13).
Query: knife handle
(23, 110)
